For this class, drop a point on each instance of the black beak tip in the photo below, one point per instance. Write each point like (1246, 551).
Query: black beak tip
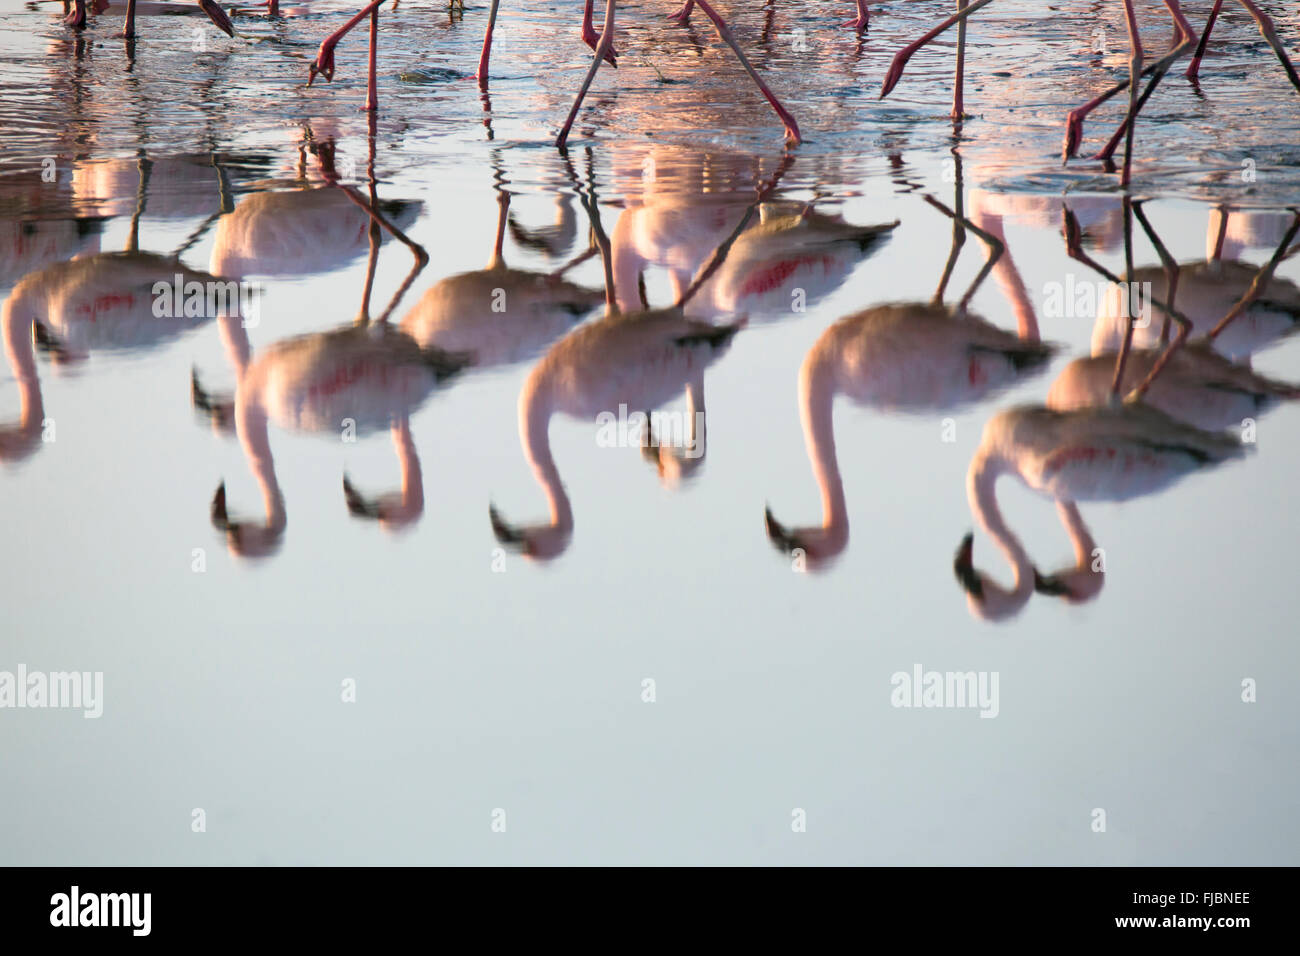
(963, 567)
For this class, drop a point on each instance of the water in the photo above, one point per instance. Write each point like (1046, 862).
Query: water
(485, 680)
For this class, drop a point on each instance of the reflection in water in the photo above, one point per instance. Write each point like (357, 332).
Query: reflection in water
(103, 302)
(1087, 445)
(1101, 453)
(912, 356)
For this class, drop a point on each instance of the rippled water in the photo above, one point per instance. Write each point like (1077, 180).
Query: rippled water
(583, 629)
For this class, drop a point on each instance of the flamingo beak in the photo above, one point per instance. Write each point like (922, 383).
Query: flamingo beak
(963, 567)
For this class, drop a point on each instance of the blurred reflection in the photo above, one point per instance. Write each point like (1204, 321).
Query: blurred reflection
(1205, 291)
(1087, 445)
(1103, 453)
(911, 357)
(102, 302)
(350, 381)
(312, 227)
(500, 315)
(636, 360)
(682, 203)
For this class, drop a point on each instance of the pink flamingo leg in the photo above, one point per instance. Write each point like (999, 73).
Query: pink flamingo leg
(683, 15)
(792, 137)
(859, 23)
(602, 47)
(959, 79)
(77, 18)
(1186, 37)
(372, 87)
(590, 38)
(1134, 73)
(487, 47)
(324, 64)
(1074, 119)
(1194, 69)
(902, 56)
(128, 28)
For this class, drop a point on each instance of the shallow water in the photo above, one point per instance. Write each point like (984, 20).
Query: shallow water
(487, 680)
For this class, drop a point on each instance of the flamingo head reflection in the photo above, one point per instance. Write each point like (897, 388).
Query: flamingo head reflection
(817, 545)
(541, 541)
(987, 599)
(247, 539)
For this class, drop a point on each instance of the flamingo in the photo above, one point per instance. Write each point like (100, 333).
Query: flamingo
(912, 356)
(639, 359)
(1198, 386)
(368, 373)
(456, 314)
(102, 302)
(1110, 452)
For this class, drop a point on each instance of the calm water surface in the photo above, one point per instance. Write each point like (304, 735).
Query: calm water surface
(508, 663)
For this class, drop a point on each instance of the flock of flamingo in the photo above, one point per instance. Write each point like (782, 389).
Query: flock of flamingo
(1157, 400)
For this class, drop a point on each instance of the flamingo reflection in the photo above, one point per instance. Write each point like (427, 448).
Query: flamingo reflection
(912, 356)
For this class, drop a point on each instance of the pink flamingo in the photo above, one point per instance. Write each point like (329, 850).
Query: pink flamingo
(1109, 452)
(910, 356)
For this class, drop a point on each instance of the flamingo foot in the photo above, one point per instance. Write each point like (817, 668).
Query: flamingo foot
(324, 63)
(857, 23)
(683, 16)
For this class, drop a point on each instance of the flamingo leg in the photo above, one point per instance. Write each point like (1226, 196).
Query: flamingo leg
(1134, 73)
(902, 56)
(1122, 360)
(128, 28)
(1194, 69)
(996, 249)
(1270, 37)
(1184, 325)
(792, 137)
(1261, 280)
(487, 46)
(959, 78)
(77, 18)
(324, 62)
(683, 15)
(372, 86)
(217, 16)
(589, 36)
(1074, 119)
(858, 23)
(1169, 263)
(603, 47)
(1185, 36)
